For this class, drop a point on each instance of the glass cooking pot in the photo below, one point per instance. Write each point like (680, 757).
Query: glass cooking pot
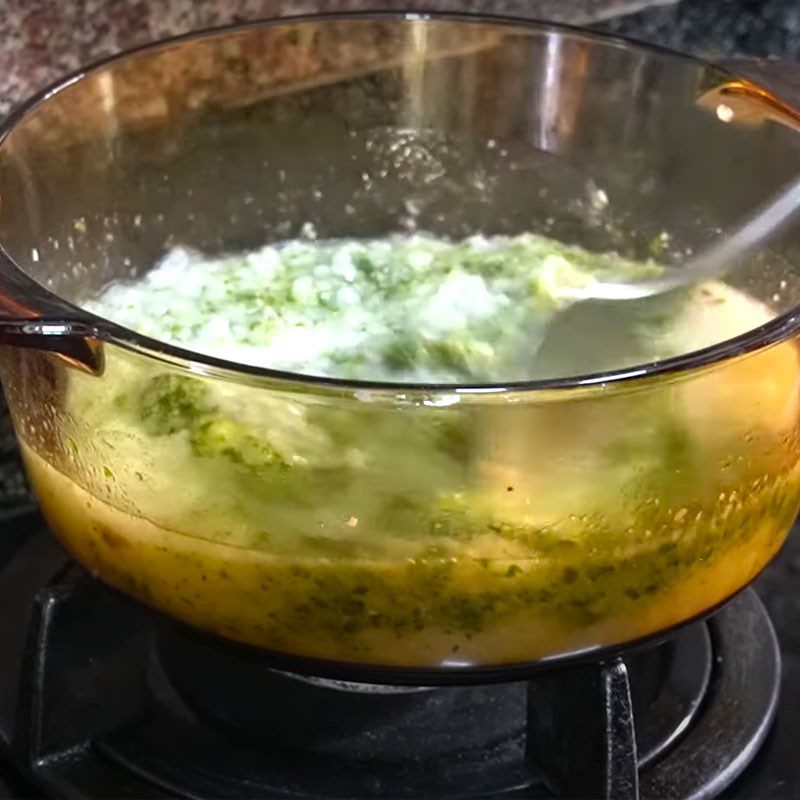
(436, 529)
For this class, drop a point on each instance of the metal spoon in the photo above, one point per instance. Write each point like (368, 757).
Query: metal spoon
(590, 331)
(713, 261)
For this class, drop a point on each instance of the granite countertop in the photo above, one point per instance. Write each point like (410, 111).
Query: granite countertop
(719, 28)
(45, 39)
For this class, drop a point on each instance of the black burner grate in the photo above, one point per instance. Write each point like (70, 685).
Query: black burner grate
(100, 698)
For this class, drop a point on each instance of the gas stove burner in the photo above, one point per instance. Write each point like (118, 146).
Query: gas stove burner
(100, 698)
(352, 686)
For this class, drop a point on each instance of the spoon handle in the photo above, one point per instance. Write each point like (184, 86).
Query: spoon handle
(716, 259)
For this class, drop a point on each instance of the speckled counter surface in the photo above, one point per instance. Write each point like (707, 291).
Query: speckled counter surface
(41, 40)
(715, 28)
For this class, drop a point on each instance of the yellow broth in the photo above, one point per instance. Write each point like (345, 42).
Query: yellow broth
(569, 521)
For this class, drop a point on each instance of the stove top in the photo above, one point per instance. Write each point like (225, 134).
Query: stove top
(101, 698)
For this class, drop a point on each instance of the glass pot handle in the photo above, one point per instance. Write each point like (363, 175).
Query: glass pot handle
(764, 89)
(31, 316)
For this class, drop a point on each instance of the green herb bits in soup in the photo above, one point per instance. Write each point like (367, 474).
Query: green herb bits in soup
(413, 526)
(403, 308)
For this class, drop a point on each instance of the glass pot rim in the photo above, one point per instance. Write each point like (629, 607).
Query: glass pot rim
(72, 320)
